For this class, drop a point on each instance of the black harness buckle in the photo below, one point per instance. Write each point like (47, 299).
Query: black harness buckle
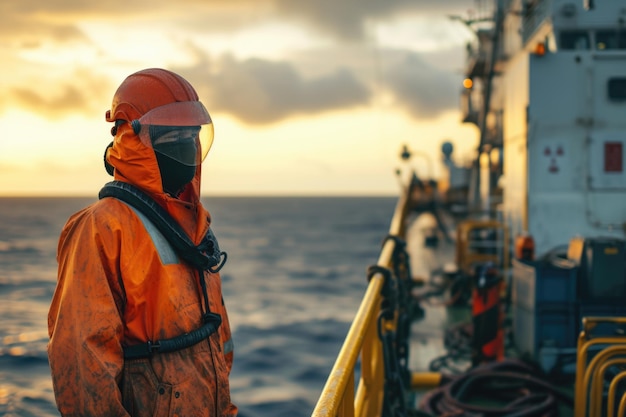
(153, 346)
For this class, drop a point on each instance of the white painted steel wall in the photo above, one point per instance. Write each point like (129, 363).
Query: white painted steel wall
(515, 181)
(558, 121)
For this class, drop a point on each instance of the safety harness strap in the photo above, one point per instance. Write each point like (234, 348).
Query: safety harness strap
(206, 256)
(145, 350)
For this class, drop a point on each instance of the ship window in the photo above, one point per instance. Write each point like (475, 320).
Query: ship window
(617, 89)
(610, 39)
(574, 40)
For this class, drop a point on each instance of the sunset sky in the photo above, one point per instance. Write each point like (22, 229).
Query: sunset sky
(307, 97)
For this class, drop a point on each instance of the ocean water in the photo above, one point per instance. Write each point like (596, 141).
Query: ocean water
(294, 279)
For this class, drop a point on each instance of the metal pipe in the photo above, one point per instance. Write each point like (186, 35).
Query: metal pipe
(612, 393)
(622, 406)
(425, 380)
(335, 387)
(597, 385)
(585, 341)
(581, 408)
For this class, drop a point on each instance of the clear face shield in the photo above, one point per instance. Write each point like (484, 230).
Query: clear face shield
(182, 131)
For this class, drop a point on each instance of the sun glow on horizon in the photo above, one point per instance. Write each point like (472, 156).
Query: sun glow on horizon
(341, 153)
(303, 104)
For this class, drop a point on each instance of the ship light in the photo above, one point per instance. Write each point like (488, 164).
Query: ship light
(540, 49)
(525, 247)
(468, 83)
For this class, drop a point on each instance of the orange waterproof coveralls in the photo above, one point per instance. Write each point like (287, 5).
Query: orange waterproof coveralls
(117, 287)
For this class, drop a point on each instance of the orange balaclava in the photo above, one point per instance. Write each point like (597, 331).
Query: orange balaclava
(147, 105)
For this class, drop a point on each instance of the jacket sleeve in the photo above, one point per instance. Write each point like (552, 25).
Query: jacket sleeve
(228, 347)
(84, 321)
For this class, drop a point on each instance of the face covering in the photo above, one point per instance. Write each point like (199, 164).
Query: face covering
(176, 156)
(174, 175)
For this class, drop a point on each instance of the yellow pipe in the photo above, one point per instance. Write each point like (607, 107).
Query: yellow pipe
(329, 401)
(466, 259)
(338, 389)
(597, 383)
(612, 393)
(368, 401)
(599, 357)
(425, 380)
(622, 406)
(581, 364)
(347, 405)
(588, 323)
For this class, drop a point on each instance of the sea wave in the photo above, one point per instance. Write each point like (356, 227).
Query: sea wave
(295, 274)
(24, 348)
(12, 248)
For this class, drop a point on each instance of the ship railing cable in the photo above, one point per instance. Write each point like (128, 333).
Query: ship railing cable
(407, 305)
(395, 384)
(339, 397)
(393, 326)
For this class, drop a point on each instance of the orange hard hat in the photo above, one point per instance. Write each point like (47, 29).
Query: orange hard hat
(148, 89)
(155, 98)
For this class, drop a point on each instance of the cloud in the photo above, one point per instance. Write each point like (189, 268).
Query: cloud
(27, 26)
(338, 75)
(425, 91)
(344, 19)
(347, 18)
(69, 101)
(260, 91)
(79, 91)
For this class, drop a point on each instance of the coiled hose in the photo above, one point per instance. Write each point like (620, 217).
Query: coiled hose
(509, 388)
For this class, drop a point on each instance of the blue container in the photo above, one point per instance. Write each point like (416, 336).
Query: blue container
(602, 263)
(538, 284)
(547, 326)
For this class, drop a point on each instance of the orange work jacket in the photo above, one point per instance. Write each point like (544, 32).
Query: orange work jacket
(121, 284)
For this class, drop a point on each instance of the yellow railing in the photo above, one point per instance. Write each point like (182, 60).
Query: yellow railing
(338, 396)
(590, 376)
(468, 250)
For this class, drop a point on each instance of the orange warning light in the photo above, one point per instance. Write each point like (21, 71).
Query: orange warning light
(540, 49)
(468, 83)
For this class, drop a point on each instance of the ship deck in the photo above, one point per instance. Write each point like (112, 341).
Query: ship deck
(428, 332)
(427, 344)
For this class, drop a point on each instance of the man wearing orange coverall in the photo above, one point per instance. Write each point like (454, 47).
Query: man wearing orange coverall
(136, 329)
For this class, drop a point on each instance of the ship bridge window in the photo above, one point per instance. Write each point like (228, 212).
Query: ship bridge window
(574, 40)
(617, 88)
(610, 39)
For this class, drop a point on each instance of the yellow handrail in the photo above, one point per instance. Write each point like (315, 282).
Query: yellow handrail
(338, 397)
(597, 384)
(589, 322)
(622, 406)
(610, 407)
(466, 257)
(586, 384)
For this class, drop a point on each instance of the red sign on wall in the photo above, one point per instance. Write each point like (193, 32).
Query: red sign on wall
(613, 157)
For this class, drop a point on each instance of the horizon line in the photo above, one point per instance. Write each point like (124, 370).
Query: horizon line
(208, 195)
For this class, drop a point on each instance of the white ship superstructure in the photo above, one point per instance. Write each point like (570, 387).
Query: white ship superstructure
(556, 98)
